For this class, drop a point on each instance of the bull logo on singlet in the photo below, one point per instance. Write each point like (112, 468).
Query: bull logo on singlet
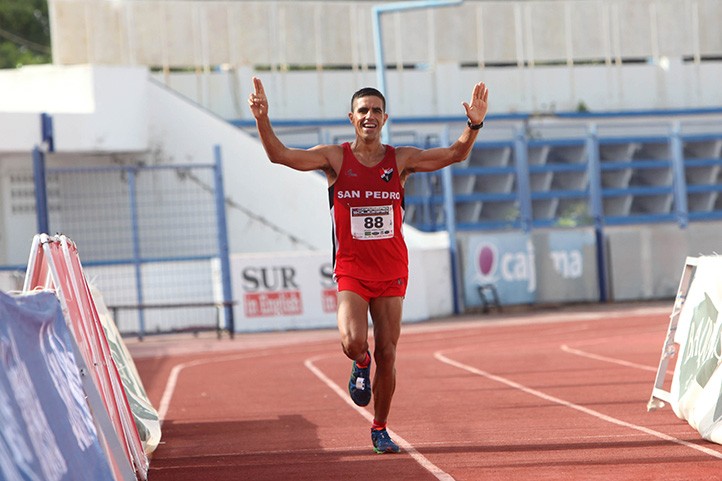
(386, 174)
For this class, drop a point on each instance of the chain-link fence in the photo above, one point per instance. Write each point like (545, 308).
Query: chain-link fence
(152, 239)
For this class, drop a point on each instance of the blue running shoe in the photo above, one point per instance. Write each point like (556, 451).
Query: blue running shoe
(382, 442)
(359, 385)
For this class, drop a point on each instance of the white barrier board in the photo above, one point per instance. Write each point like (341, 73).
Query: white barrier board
(295, 290)
(283, 291)
(695, 337)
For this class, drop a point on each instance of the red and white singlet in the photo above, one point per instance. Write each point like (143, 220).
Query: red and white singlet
(367, 212)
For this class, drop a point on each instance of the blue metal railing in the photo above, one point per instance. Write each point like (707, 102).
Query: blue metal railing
(648, 176)
(660, 164)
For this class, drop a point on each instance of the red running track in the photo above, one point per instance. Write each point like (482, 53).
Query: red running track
(551, 396)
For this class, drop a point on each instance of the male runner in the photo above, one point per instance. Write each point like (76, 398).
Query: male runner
(366, 191)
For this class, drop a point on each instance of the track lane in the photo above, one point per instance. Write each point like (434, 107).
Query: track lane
(254, 423)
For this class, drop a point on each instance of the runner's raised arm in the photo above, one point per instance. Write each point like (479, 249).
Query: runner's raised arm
(316, 158)
(412, 159)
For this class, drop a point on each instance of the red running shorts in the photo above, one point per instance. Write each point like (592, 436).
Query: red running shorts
(372, 289)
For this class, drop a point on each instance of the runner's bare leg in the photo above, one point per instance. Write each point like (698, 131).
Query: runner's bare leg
(386, 315)
(353, 324)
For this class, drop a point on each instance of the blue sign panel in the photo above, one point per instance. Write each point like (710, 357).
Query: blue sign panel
(566, 265)
(505, 261)
(46, 429)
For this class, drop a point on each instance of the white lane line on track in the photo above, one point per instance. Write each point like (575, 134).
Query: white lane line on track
(597, 357)
(410, 450)
(591, 412)
(175, 372)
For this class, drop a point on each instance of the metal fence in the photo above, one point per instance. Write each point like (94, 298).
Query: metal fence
(575, 175)
(557, 171)
(153, 239)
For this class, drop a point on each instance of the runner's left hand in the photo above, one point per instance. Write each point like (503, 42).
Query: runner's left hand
(477, 107)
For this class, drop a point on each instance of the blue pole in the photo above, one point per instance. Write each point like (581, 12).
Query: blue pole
(39, 178)
(41, 192)
(679, 182)
(223, 249)
(379, 10)
(46, 129)
(426, 207)
(450, 211)
(523, 185)
(594, 171)
(136, 251)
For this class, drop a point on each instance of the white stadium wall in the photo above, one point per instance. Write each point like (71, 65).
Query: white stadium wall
(312, 95)
(644, 261)
(535, 56)
(95, 108)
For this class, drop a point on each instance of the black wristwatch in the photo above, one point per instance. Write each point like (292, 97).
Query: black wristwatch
(474, 126)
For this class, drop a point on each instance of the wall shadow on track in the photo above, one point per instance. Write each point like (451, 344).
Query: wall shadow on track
(284, 448)
(232, 449)
(591, 453)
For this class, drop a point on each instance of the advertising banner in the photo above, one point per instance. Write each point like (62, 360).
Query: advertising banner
(566, 265)
(145, 415)
(295, 290)
(283, 291)
(54, 264)
(696, 389)
(46, 428)
(545, 266)
(505, 261)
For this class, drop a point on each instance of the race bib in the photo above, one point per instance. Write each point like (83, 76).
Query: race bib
(372, 223)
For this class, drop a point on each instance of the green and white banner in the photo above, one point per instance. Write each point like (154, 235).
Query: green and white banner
(696, 389)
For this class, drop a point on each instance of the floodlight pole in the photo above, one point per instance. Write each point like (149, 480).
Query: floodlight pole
(446, 174)
(379, 10)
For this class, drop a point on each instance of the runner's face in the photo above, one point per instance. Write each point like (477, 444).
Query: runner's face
(368, 116)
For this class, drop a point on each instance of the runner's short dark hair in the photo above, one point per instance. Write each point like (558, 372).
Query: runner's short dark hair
(368, 91)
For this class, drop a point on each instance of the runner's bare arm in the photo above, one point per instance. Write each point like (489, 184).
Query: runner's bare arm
(412, 159)
(316, 158)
